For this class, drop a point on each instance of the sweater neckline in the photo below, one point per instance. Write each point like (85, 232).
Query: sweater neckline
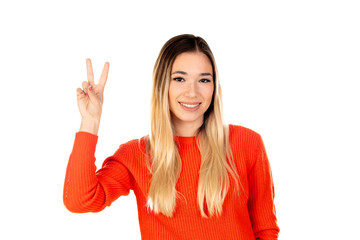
(185, 140)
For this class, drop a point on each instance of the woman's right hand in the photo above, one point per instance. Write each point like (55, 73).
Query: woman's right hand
(90, 99)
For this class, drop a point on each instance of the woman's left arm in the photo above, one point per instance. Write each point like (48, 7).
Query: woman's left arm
(261, 197)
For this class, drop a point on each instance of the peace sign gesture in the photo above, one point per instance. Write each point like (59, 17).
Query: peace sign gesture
(91, 97)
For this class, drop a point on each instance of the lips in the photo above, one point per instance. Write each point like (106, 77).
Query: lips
(190, 105)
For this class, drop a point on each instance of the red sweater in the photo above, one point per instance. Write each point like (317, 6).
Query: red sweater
(250, 215)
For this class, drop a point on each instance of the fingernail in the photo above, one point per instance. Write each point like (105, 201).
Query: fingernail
(81, 93)
(90, 88)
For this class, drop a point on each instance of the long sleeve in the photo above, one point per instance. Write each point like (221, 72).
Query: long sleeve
(245, 216)
(86, 190)
(261, 197)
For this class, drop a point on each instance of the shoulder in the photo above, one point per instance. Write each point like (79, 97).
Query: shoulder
(244, 141)
(246, 144)
(131, 155)
(240, 134)
(133, 147)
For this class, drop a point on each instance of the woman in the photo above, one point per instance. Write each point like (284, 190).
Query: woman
(193, 177)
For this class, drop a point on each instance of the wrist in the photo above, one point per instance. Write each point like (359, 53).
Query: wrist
(90, 126)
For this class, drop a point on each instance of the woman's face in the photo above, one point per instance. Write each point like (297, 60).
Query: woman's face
(191, 89)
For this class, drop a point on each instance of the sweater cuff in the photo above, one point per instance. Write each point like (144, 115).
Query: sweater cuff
(86, 141)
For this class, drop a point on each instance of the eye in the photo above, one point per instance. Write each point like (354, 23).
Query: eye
(178, 79)
(204, 80)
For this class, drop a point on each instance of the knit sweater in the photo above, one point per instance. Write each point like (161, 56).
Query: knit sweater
(249, 214)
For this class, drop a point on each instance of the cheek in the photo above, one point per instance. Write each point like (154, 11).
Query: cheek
(208, 93)
(171, 94)
(174, 92)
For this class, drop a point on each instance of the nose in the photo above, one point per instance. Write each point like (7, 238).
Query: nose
(191, 89)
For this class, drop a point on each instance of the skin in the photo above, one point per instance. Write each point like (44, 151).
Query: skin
(90, 99)
(191, 83)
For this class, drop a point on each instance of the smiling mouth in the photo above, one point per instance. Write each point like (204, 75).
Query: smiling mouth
(190, 105)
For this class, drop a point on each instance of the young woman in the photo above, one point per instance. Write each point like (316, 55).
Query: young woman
(193, 177)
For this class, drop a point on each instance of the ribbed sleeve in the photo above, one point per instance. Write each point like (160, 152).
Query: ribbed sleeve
(261, 195)
(86, 190)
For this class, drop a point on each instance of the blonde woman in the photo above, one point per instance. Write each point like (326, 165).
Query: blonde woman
(193, 176)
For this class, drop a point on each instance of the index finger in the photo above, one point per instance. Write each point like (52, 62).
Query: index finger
(89, 71)
(104, 74)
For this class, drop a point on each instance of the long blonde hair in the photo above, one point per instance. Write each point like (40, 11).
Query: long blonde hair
(163, 157)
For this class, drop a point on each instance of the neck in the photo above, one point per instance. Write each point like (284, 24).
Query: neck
(186, 129)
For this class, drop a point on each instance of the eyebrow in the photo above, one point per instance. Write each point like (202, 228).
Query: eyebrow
(185, 73)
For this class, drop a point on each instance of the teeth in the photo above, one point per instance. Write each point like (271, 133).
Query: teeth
(190, 106)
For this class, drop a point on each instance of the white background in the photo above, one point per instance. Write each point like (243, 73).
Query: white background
(289, 70)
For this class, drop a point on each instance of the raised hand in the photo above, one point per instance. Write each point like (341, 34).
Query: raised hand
(91, 97)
